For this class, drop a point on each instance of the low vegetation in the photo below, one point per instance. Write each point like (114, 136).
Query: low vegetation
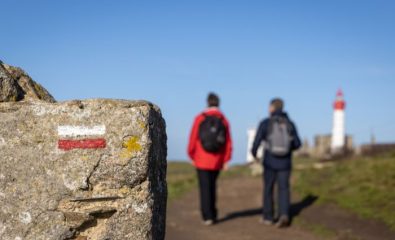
(364, 186)
(317, 229)
(181, 177)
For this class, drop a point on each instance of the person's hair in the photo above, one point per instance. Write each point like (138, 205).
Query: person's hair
(278, 104)
(212, 100)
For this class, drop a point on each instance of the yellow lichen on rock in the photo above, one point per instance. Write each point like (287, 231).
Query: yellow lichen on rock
(142, 125)
(130, 146)
(124, 191)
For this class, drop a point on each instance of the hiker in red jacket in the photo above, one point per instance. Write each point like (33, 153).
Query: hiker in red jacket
(210, 148)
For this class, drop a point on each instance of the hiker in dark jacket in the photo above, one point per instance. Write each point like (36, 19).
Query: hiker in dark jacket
(277, 161)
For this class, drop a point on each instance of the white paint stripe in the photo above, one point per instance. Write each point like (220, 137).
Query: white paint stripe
(74, 131)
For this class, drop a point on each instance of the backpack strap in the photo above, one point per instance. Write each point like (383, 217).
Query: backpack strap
(272, 119)
(220, 116)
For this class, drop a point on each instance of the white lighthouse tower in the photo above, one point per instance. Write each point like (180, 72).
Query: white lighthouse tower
(338, 131)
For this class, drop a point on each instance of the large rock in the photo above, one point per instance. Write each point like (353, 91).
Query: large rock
(91, 169)
(17, 85)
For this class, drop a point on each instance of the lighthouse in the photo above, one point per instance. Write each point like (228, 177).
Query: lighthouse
(338, 131)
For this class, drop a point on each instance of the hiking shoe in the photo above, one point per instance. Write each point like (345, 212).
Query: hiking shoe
(266, 222)
(283, 222)
(208, 223)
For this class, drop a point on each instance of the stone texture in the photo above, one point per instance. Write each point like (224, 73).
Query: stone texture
(16, 85)
(115, 192)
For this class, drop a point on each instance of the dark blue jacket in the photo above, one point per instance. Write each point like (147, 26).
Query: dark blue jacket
(270, 161)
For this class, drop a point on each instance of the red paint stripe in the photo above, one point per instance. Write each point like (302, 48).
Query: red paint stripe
(83, 144)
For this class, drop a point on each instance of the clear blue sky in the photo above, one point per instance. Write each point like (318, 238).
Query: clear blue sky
(174, 52)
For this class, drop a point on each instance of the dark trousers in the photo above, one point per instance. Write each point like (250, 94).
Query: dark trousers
(270, 177)
(207, 187)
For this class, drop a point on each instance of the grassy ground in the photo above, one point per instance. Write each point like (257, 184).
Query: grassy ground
(181, 177)
(317, 229)
(365, 186)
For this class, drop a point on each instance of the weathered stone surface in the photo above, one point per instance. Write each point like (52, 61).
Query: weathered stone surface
(58, 180)
(16, 85)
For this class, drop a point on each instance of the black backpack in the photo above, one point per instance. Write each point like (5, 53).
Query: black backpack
(212, 133)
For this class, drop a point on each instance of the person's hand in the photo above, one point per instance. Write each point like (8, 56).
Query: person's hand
(192, 162)
(225, 167)
(255, 161)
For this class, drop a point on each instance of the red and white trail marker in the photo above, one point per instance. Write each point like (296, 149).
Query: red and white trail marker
(81, 137)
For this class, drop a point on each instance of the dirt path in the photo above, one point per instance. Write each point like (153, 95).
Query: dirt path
(239, 206)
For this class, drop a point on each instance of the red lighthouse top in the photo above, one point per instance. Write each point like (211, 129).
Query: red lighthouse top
(339, 104)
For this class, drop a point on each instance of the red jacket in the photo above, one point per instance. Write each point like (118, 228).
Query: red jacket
(205, 160)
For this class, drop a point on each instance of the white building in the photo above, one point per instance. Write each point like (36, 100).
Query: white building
(251, 137)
